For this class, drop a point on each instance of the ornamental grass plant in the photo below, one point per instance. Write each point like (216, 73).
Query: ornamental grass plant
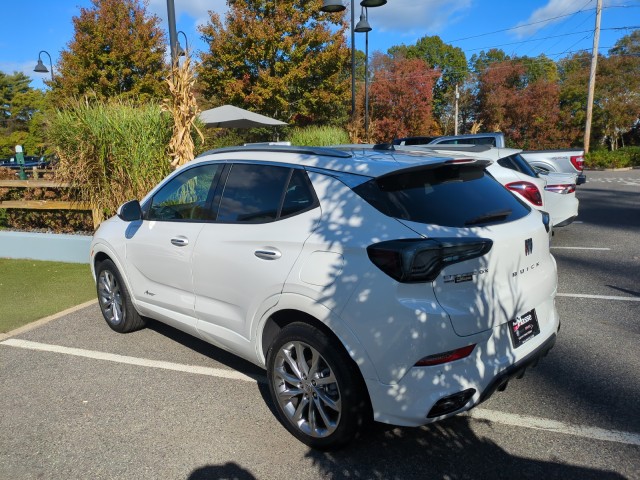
(320, 136)
(111, 151)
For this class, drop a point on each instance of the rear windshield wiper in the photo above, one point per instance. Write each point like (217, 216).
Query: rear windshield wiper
(489, 217)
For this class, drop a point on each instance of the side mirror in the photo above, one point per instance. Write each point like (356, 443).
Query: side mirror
(130, 211)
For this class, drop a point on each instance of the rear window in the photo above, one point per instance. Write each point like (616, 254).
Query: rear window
(450, 196)
(470, 141)
(518, 163)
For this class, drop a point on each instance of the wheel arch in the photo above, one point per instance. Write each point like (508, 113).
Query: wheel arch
(297, 308)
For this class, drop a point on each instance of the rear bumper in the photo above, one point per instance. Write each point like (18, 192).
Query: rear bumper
(517, 370)
(429, 394)
(566, 222)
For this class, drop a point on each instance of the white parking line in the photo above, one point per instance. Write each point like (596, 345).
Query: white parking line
(599, 297)
(537, 423)
(479, 413)
(580, 248)
(142, 362)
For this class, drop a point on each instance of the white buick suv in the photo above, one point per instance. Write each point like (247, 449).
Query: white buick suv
(371, 285)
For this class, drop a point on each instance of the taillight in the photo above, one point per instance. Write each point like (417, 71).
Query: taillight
(422, 260)
(578, 162)
(528, 191)
(445, 357)
(561, 189)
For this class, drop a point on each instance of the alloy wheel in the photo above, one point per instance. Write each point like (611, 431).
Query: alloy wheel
(110, 297)
(307, 389)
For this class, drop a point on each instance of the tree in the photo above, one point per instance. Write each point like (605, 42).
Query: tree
(528, 112)
(277, 57)
(449, 60)
(117, 50)
(627, 45)
(401, 97)
(616, 107)
(20, 115)
(617, 98)
(480, 62)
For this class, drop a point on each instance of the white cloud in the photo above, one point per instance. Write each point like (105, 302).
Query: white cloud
(197, 9)
(413, 17)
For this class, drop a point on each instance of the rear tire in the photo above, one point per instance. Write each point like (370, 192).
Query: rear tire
(316, 387)
(114, 299)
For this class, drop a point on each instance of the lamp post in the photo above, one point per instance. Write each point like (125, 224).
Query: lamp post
(363, 26)
(40, 67)
(181, 51)
(331, 6)
(173, 40)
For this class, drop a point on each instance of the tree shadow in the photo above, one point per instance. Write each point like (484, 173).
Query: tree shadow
(446, 450)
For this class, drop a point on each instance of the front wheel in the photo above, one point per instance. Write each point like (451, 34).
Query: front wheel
(114, 299)
(316, 388)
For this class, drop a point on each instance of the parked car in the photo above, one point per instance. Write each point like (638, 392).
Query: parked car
(559, 161)
(551, 192)
(30, 161)
(404, 288)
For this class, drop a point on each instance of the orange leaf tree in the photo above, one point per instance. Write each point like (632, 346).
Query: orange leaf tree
(401, 97)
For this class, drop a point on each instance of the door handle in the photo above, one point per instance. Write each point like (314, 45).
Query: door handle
(180, 241)
(272, 254)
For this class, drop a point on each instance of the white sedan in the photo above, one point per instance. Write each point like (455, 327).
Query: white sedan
(551, 192)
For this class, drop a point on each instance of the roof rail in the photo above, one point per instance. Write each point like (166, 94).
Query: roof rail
(318, 151)
(445, 146)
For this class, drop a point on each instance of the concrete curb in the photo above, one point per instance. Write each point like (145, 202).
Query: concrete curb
(45, 246)
(45, 320)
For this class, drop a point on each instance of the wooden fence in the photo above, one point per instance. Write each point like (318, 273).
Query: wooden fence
(45, 204)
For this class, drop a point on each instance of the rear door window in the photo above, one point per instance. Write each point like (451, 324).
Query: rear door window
(257, 193)
(452, 196)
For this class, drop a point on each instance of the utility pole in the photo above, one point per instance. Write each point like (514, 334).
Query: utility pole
(455, 128)
(592, 77)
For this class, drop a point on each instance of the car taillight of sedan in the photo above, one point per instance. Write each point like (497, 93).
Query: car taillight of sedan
(527, 190)
(562, 189)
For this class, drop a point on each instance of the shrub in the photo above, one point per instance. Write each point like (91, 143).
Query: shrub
(318, 136)
(110, 151)
(621, 158)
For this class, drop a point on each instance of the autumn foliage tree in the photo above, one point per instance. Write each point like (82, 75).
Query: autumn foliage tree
(117, 50)
(450, 61)
(401, 97)
(525, 107)
(279, 58)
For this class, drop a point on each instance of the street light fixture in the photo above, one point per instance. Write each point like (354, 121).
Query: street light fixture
(332, 6)
(40, 67)
(182, 51)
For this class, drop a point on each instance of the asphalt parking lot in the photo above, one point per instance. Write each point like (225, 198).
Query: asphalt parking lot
(80, 401)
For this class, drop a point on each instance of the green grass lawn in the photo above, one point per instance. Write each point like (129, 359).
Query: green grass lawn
(31, 289)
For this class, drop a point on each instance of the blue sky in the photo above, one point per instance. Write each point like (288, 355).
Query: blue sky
(521, 27)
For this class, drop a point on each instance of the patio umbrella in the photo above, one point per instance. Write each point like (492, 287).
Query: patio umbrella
(228, 116)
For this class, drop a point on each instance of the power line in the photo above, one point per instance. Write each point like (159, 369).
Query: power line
(538, 22)
(547, 38)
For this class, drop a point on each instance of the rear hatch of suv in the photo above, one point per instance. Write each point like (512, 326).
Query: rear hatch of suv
(451, 205)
